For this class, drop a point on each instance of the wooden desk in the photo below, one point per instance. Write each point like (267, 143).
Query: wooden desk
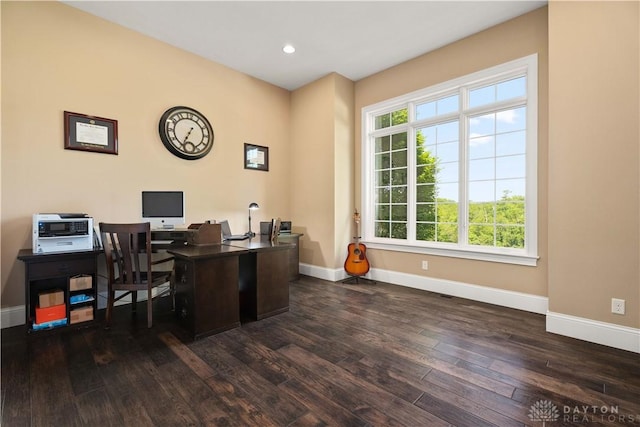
(264, 277)
(206, 285)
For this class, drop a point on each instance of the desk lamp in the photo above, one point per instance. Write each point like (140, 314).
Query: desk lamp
(253, 206)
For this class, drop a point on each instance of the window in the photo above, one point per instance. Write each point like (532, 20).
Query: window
(451, 169)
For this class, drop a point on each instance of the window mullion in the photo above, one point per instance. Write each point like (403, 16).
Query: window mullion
(463, 205)
(411, 184)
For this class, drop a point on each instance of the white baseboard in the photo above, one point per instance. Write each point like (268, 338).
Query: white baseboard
(511, 299)
(12, 316)
(608, 334)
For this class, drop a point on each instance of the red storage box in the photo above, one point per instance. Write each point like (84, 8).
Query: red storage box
(47, 314)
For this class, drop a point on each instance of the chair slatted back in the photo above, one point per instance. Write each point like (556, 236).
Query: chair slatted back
(123, 250)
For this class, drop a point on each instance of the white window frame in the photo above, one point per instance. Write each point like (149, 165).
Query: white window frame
(529, 254)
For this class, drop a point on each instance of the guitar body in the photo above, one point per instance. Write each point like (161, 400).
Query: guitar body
(356, 263)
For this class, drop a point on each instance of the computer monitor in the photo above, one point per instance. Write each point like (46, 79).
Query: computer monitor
(163, 209)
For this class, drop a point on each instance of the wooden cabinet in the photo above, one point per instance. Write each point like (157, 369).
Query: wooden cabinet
(206, 288)
(72, 273)
(294, 253)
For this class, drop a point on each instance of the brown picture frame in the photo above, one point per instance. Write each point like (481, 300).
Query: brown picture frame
(90, 133)
(256, 157)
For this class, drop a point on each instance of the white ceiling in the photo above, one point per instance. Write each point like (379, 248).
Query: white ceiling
(352, 38)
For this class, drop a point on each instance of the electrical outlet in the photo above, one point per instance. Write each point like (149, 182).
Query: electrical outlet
(425, 265)
(617, 306)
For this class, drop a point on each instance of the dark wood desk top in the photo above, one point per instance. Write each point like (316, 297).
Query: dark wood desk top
(27, 255)
(206, 251)
(260, 242)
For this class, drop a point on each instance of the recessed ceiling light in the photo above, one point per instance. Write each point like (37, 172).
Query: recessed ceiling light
(288, 48)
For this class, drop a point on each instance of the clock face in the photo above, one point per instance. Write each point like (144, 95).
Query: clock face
(186, 133)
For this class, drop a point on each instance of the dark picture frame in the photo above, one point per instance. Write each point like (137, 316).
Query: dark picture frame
(256, 157)
(90, 133)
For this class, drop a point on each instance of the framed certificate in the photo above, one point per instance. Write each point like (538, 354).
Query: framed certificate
(256, 157)
(90, 133)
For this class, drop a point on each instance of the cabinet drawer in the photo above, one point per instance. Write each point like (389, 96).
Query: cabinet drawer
(44, 270)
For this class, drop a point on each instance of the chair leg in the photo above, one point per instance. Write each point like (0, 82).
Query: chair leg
(149, 309)
(134, 301)
(110, 297)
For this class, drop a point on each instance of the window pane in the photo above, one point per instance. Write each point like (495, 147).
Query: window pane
(426, 136)
(482, 125)
(510, 167)
(382, 144)
(425, 193)
(399, 176)
(382, 121)
(481, 169)
(512, 88)
(383, 178)
(511, 143)
(510, 213)
(482, 213)
(399, 213)
(511, 120)
(448, 104)
(447, 212)
(426, 212)
(383, 195)
(448, 132)
(448, 152)
(511, 189)
(447, 192)
(399, 158)
(426, 110)
(510, 237)
(383, 161)
(391, 119)
(383, 212)
(399, 194)
(482, 96)
(447, 233)
(426, 232)
(382, 229)
(398, 230)
(481, 235)
(399, 141)
(448, 172)
(482, 191)
(426, 174)
(481, 147)
(399, 117)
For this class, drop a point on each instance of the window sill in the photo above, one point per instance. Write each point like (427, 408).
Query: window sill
(500, 257)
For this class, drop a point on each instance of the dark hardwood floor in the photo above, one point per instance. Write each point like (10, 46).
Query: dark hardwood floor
(344, 355)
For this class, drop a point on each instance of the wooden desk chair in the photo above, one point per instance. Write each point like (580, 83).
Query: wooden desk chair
(127, 248)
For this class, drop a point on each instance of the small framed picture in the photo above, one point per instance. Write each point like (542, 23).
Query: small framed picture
(256, 157)
(90, 133)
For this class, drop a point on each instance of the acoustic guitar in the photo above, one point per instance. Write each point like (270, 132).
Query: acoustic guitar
(356, 263)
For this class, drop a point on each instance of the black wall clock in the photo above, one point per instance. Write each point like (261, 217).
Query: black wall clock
(186, 132)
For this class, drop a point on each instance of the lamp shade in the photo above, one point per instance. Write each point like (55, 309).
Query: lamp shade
(254, 206)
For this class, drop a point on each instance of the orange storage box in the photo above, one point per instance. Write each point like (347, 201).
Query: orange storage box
(47, 314)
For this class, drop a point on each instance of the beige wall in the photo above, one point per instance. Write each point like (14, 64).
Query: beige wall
(322, 172)
(57, 58)
(594, 136)
(514, 39)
